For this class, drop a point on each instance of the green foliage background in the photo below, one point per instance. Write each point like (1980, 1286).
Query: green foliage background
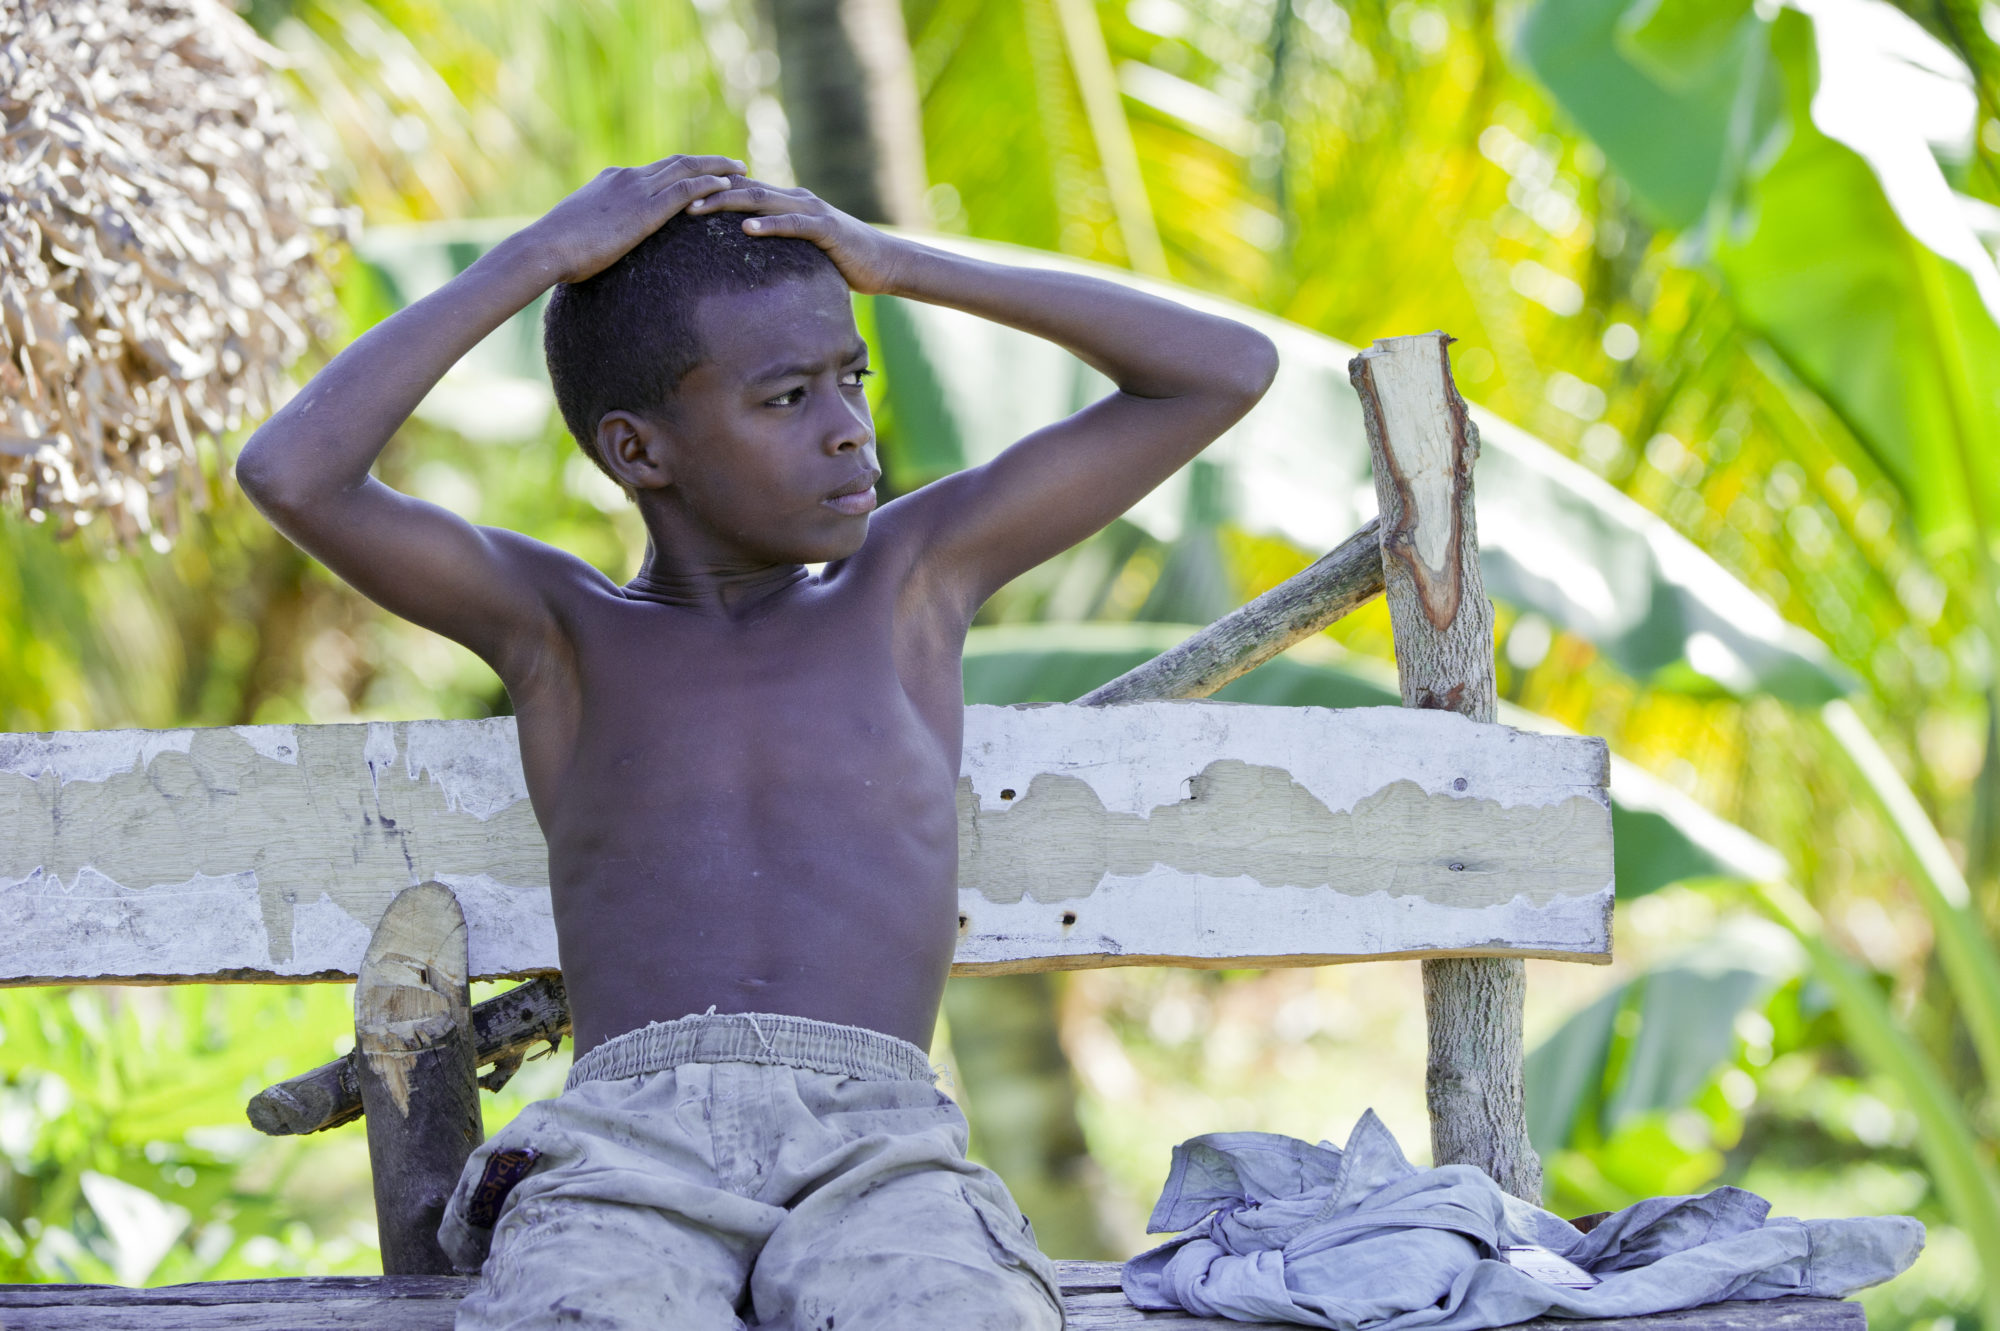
(1660, 259)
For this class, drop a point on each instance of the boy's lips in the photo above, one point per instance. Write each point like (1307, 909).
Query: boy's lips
(853, 499)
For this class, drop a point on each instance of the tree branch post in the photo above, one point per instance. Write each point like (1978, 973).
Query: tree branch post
(1424, 445)
(505, 1029)
(416, 1064)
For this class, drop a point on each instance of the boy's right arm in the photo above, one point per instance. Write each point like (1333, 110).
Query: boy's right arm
(307, 468)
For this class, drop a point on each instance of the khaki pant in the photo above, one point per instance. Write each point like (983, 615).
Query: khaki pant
(771, 1171)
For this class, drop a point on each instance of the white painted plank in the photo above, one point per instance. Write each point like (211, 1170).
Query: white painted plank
(1189, 833)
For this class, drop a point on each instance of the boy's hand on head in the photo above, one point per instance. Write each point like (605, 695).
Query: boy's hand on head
(867, 258)
(598, 224)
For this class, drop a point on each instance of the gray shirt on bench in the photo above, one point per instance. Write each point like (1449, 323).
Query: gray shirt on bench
(1287, 1231)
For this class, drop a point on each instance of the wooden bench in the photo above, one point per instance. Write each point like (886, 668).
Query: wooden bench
(1091, 1298)
(1155, 832)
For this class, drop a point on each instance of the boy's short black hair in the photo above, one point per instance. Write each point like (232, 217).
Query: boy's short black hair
(624, 339)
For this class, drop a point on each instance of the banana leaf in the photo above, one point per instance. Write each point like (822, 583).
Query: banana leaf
(1801, 159)
(1659, 836)
(1679, 1028)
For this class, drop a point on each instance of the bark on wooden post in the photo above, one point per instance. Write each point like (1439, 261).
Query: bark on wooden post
(1424, 445)
(413, 1035)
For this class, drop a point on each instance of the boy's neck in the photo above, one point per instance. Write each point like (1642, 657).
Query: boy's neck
(723, 587)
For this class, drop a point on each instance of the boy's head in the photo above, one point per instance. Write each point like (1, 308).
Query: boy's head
(721, 372)
(624, 339)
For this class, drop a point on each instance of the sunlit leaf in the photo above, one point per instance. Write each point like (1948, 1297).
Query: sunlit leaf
(1669, 124)
(1664, 1034)
(1844, 245)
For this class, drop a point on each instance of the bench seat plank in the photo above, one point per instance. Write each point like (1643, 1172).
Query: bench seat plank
(426, 1303)
(1186, 833)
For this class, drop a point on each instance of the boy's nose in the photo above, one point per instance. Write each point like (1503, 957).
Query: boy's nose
(855, 429)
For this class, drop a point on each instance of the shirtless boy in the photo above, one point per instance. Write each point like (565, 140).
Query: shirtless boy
(745, 772)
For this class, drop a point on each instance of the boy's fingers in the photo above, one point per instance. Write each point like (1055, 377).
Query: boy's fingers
(683, 164)
(747, 199)
(804, 226)
(750, 182)
(680, 193)
(754, 198)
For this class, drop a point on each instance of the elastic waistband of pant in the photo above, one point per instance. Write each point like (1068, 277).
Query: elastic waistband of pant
(755, 1037)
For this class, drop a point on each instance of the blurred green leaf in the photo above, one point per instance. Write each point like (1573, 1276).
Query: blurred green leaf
(1965, 951)
(1844, 245)
(1678, 42)
(1696, 63)
(1962, 1170)
(1649, 1045)
(1565, 1072)
(930, 443)
(1855, 260)
(124, 1155)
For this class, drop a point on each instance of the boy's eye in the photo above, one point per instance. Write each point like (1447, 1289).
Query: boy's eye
(854, 378)
(789, 398)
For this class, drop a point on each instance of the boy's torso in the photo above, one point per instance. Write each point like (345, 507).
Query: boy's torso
(754, 811)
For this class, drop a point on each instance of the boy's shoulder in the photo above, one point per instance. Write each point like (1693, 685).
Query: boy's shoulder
(542, 565)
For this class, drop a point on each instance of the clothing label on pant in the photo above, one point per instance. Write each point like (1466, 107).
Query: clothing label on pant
(503, 1170)
(1551, 1268)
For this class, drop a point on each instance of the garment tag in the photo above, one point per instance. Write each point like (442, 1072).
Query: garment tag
(503, 1170)
(1551, 1268)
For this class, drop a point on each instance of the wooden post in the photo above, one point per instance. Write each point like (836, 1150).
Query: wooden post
(505, 1031)
(413, 1035)
(1424, 445)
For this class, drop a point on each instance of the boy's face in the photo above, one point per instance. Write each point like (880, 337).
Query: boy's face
(771, 444)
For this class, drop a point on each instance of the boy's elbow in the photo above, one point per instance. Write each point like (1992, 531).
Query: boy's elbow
(1253, 366)
(261, 475)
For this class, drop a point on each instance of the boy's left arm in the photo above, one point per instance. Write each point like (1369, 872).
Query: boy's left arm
(1183, 377)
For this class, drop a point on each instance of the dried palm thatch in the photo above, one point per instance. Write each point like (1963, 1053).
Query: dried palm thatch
(163, 234)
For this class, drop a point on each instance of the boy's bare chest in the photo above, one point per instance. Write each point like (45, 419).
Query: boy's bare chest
(817, 703)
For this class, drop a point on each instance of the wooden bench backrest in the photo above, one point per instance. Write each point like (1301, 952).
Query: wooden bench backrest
(1198, 834)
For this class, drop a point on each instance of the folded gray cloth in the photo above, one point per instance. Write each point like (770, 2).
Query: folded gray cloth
(1280, 1230)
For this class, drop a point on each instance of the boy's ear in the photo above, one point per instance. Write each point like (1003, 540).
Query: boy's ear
(635, 449)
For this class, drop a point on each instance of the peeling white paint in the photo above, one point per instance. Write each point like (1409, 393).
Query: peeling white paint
(93, 927)
(278, 743)
(1139, 756)
(510, 930)
(326, 937)
(477, 763)
(380, 749)
(87, 755)
(1166, 914)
